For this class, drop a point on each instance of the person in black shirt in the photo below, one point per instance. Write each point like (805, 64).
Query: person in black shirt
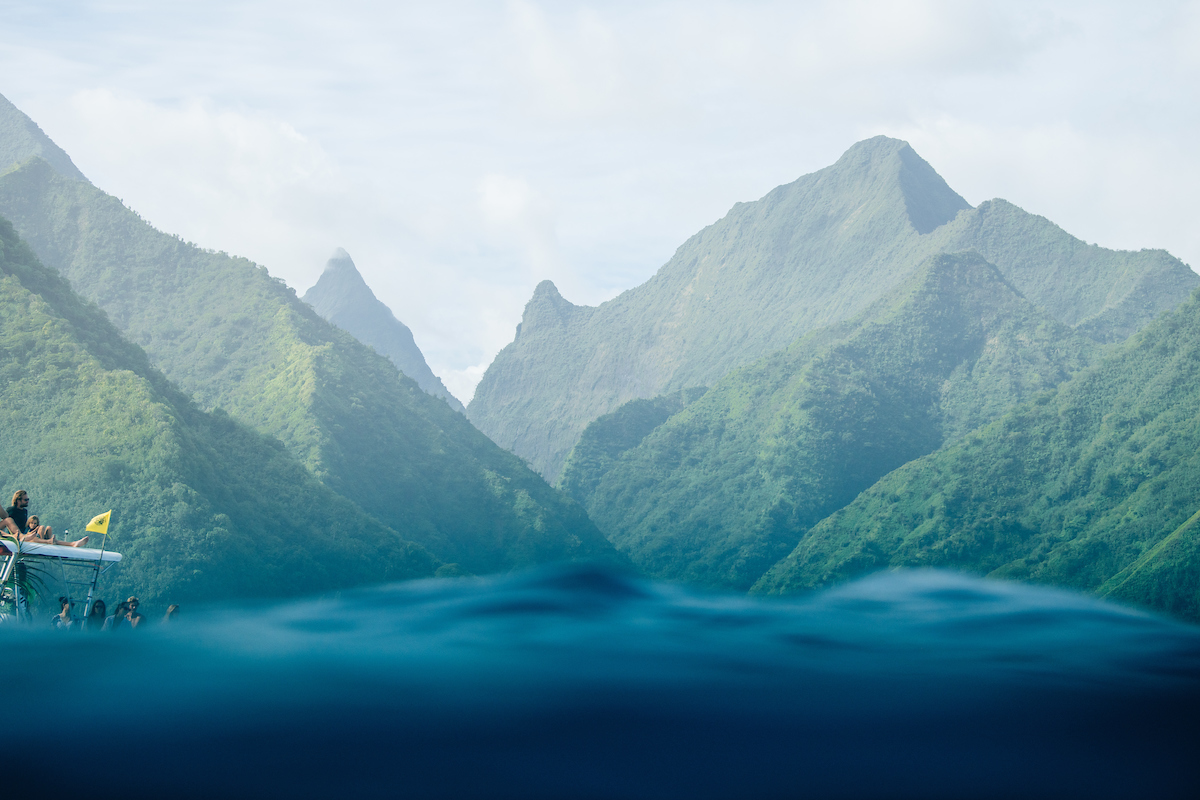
(9, 525)
(19, 513)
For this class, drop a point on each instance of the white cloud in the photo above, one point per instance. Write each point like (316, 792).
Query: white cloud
(248, 184)
(466, 150)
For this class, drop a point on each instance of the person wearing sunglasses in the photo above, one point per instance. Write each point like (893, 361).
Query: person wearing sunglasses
(42, 534)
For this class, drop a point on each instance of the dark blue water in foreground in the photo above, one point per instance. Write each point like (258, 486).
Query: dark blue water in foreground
(578, 683)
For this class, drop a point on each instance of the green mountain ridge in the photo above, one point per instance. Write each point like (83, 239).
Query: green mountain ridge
(21, 139)
(234, 338)
(204, 508)
(342, 297)
(724, 488)
(807, 255)
(1094, 485)
(609, 437)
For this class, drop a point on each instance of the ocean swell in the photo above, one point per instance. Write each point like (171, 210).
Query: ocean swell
(576, 682)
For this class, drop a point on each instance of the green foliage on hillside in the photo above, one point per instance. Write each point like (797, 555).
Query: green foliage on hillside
(1106, 294)
(807, 255)
(237, 339)
(203, 507)
(1093, 486)
(726, 487)
(607, 438)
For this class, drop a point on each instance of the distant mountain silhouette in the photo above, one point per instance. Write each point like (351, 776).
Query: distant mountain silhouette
(809, 254)
(341, 296)
(21, 139)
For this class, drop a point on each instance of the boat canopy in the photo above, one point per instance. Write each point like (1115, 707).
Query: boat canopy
(58, 551)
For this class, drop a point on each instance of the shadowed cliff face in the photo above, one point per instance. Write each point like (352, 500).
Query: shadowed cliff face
(343, 297)
(808, 254)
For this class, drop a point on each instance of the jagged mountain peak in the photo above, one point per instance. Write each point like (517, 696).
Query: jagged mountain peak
(882, 165)
(342, 296)
(340, 284)
(22, 139)
(808, 254)
(548, 309)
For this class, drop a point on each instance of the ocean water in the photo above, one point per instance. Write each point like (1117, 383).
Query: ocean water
(573, 682)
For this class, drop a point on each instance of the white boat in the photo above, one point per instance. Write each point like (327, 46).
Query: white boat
(78, 567)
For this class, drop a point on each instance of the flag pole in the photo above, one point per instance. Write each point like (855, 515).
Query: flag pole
(87, 607)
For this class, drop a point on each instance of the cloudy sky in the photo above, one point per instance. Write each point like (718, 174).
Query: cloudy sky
(463, 151)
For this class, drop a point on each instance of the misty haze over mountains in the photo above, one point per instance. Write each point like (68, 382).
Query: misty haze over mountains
(792, 367)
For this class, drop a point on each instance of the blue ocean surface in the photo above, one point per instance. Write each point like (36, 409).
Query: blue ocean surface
(574, 682)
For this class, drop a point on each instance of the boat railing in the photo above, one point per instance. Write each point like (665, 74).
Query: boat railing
(79, 569)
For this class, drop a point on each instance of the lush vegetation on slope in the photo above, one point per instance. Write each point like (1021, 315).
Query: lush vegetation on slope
(237, 339)
(1093, 486)
(809, 254)
(1106, 294)
(726, 487)
(203, 507)
(343, 297)
(612, 435)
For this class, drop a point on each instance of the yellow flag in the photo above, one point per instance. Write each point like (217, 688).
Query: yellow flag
(99, 523)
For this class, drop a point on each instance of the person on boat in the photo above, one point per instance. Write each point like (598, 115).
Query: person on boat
(117, 620)
(95, 618)
(63, 621)
(125, 615)
(18, 511)
(43, 534)
(133, 617)
(8, 525)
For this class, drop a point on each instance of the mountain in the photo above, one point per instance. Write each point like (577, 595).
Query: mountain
(608, 437)
(1095, 485)
(204, 508)
(724, 488)
(234, 338)
(341, 296)
(21, 139)
(807, 255)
